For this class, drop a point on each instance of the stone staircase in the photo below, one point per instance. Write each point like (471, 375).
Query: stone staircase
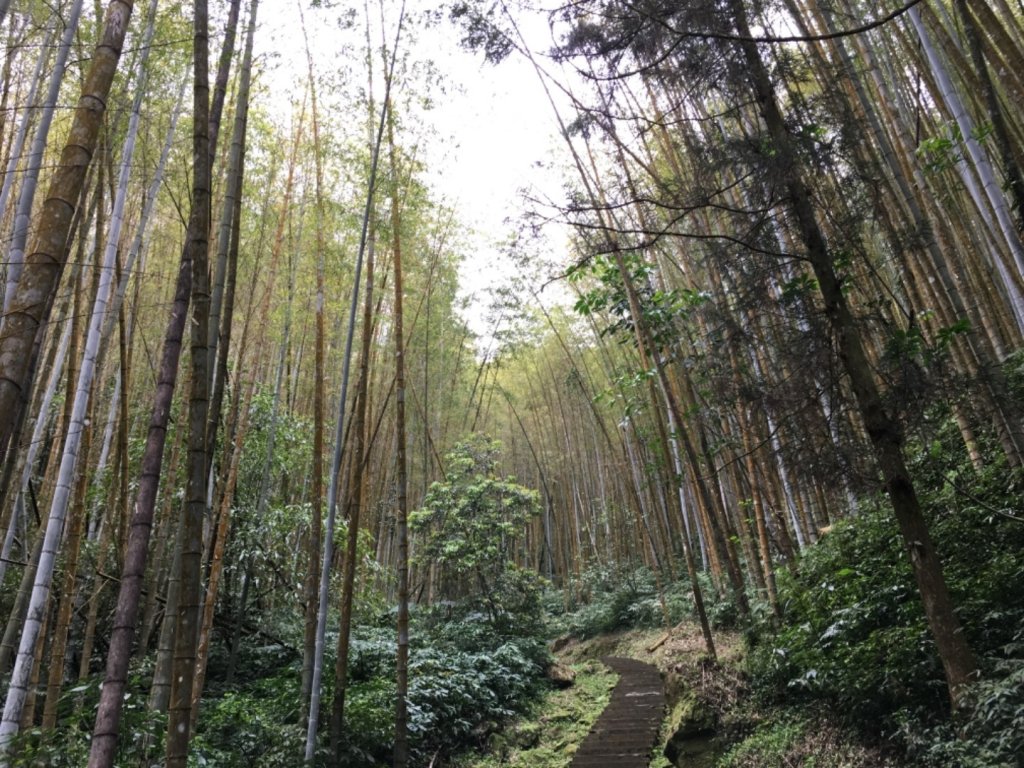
(626, 731)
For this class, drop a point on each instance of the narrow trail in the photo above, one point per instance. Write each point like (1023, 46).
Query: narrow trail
(623, 735)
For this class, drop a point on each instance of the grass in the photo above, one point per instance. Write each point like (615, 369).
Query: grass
(799, 739)
(754, 737)
(685, 645)
(552, 732)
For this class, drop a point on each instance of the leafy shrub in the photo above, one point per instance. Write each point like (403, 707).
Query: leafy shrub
(371, 653)
(613, 599)
(369, 722)
(722, 609)
(616, 599)
(465, 679)
(768, 745)
(797, 738)
(854, 628)
(453, 696)
(854, 631)
(989, 735)
(255, 727)
(141, 730)
(471, 521)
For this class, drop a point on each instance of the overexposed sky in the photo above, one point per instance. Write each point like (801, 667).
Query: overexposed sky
(489, 135)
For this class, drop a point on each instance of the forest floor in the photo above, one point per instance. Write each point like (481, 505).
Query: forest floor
(708, 703)
(551, 733)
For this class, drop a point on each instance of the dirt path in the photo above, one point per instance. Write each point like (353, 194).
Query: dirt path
(627, 729)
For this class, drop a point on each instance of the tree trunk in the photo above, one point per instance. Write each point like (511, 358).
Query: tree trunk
(16, 254)
(29, 457)
(355, 498)
(401, 753)
(316, 517)
(18, 143)
(1000, 130)
(32, 300)
(217, 558)
(990, 186)
(108, 714)
(91, 359)
(62, 627)
(186, 626)
(883, 431)
(222, 299)
(332, 491)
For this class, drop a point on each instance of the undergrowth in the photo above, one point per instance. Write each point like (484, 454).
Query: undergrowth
(850, 674)
(855, 639)
(548, 735)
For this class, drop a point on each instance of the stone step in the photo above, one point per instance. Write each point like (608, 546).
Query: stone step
(626, 731)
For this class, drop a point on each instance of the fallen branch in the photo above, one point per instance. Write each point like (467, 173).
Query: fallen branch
(664, 638)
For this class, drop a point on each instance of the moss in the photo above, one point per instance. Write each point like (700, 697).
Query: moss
(550, 735)
(768, 745)
(792, 738)
(690, 733)
(691, 718)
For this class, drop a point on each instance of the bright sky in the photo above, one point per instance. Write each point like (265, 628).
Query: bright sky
(495, 134)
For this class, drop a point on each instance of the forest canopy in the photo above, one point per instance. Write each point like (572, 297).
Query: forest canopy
(276, 490)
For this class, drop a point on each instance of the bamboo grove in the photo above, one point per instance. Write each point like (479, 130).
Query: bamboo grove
(230, 368)
(765, 219)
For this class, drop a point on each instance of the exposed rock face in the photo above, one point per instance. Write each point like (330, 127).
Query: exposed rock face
(562, 675)
(560, 643)
(693, 726)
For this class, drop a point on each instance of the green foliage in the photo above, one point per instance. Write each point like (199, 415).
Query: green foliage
(941, 151)
(611, 599)
(946, 149)
(471, 522)
(548, 734)
(854, 632)
(1015, 373)
(457, 697)
(141, 730)
(32, 747)
(799, 289)
(800, 738)
(473, 515)
(465, 681)
(256, 726)
(854, 629)
(369, 721)
(907, 350)
(988, 734)
(606, 293)
(293, 440)
(768, 745)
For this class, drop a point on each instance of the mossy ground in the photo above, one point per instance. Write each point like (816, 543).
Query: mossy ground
(549, 736)
(749, 737)
(795, 738)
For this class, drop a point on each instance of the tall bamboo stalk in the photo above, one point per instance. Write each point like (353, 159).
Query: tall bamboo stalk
(31, 302)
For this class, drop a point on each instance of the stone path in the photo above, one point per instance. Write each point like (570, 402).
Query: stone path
(626, 731)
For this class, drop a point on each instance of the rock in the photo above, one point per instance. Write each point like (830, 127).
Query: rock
(698, 752)
(694, 726)
(562, 675)
(560, 643)
(695, 719)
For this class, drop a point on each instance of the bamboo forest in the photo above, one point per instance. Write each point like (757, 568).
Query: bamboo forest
(478, 383)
